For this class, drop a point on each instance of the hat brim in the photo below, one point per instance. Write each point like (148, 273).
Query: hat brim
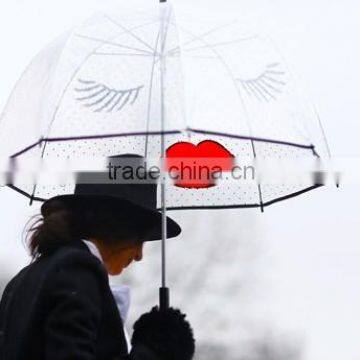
(172, 227)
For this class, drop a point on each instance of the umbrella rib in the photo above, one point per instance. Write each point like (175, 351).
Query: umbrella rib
(166, 30)
(130, 32)
(150, 93)
(323, 134)
(108, 42)
(260, 198)
(203, 35)
(123, 54)
(193, 56)
(297, 193)
(24, 193)
(218, 44)
(26, 149)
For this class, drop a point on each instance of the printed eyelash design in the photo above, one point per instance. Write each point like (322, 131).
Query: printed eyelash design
(267, 85)
(102, 98)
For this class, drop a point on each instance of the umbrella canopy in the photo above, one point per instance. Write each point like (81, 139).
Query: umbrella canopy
(117, 84)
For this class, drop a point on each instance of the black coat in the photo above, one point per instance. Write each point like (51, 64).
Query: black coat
(61, 307)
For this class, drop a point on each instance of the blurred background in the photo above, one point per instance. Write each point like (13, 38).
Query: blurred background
(272, 286)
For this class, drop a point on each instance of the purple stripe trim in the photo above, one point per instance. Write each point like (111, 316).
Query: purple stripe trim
(243, 206)
(170, 132)
(241, 137)
(239, 206)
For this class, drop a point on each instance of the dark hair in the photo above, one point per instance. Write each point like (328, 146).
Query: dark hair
(107, 221)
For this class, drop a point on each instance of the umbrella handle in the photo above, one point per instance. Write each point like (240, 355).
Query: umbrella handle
(164, 298)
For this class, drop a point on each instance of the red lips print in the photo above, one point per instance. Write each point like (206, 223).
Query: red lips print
(195, 166)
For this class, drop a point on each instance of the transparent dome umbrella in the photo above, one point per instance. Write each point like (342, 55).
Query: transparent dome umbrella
(145, 80)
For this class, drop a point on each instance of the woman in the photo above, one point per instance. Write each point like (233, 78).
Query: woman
(61, 306)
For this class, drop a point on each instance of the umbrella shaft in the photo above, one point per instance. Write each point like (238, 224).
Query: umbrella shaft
(163, 117)
(164, 236)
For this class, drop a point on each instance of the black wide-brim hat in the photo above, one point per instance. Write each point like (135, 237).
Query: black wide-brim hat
(136, 197)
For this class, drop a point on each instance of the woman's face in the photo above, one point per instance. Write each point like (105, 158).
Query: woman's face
(122, 256)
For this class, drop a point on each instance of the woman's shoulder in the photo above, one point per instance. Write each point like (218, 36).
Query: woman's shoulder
(73, 252)
(68, 269)
(71, 263)
(72, 258)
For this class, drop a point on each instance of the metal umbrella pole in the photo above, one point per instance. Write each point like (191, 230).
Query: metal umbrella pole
(164, 294)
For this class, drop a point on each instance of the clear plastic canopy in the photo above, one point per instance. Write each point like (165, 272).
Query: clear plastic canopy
(121, 84)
